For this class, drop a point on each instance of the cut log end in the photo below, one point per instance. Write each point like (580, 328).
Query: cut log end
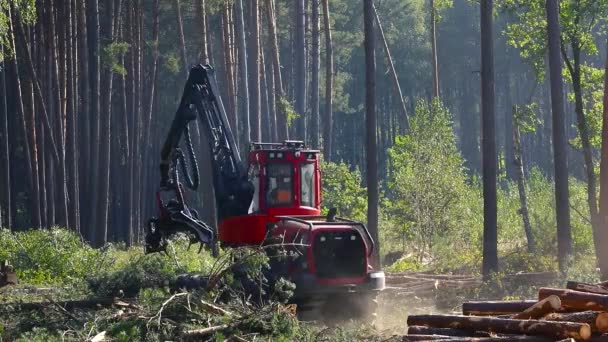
(585, 332)
(601, 322)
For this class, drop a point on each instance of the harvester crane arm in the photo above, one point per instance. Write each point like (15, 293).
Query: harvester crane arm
(233, 191)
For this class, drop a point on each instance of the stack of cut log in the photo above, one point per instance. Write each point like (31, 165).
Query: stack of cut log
(7, 274)
(579, 312)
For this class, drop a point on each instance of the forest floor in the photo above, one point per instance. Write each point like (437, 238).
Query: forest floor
(69, 291)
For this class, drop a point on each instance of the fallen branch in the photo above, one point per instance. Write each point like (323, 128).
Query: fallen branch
(198, 333)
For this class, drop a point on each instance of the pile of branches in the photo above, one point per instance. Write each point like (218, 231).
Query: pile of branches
(578, 312)
(234, 300)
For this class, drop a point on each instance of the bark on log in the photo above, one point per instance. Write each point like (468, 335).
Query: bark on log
(576, 299)
(540, 309)
(504, 326)
(422, 330)
(584, 287)
(598, 321)
(495, 308)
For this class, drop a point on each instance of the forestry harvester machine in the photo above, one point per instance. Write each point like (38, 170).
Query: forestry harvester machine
(276, 195)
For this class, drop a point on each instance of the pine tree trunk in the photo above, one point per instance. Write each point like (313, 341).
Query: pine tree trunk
(490, 233)
(371, 128)
(83, 137)
(393, 72)
(104, 135)
(244, 73)
(94, 64)
(521, 185)
(180, 36)
(314, 97)
(283, 131)
(272, 99)
(71, 123)
(560, 156)
(5, 172)
(256, 117)
(602, 235)
(434, 51)
(300, 69)
(202, 17)
(329, 79)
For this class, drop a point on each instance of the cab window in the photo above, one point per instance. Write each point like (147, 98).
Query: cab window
(254, 178)
(279, 184)
(307, 183)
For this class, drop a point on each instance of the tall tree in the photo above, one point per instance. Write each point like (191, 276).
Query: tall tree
(94, 64)
(314, 97)
(393, 72)
(603, 216)
(256, 117)
(562, 207)
(5, 172)
(329, 80)
(202, 17)
(490, 232)
(180, 35)
(434, 49)
(300, 68)
(371, 142)
(243, 72)
(276, 68)
(518, 126)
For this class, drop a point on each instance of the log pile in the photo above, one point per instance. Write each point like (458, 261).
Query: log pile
(7, 274)
(578, 312)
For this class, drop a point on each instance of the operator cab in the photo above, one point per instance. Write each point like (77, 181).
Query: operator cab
(286, 179)
(287, 182)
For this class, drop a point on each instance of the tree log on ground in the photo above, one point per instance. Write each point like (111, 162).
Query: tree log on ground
(577, 300)
(504, 326)
(598, 321)
(584, 287)
(422, 330)
(540, 309)
(495, 308)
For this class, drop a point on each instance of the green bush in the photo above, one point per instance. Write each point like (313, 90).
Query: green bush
(48, 256)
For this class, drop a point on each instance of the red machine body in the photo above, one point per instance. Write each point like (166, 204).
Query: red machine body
(272, 199)
(338, 250)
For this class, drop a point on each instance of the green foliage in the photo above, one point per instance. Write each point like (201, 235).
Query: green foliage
(342, 190)
(286, 107)
(130, 270)
(528, 32)
(526, 118)
(110, 56)
(429, 185)
(54, 256)
(26, 10)
(592, 80)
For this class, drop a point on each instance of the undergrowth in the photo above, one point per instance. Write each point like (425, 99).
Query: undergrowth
(56, 265)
